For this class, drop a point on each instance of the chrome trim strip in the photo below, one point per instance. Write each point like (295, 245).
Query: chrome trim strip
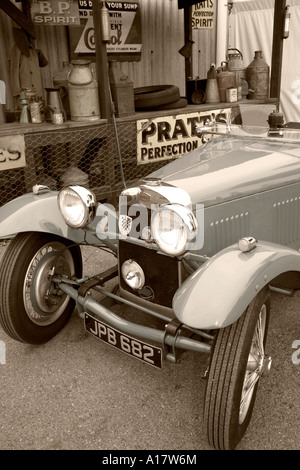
(159, 193)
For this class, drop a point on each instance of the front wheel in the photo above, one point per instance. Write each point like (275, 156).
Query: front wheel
(238, 361)
(32, 307)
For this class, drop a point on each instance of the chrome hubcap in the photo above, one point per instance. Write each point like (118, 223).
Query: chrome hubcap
(43, 302)
(258, 365)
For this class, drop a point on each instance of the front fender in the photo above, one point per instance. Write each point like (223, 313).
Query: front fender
(217, 294)
(40, 213)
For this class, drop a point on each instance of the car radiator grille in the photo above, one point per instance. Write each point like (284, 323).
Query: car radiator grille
(161, 272)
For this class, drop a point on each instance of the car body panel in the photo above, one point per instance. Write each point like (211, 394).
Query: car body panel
(271, 215)
(217, 294)
(40, 213)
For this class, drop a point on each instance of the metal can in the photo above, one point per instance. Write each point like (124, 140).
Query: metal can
(57, 118)
(258, 77)
(231, 95)
(83, 92)
(236, 65)
(42, 109)
(35, 112)
(225, 80)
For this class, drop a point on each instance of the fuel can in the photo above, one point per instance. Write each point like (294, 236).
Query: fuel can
(225, 80)
(257, 77)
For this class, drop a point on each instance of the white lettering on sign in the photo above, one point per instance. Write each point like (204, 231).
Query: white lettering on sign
(85, 4)
(12, 152)
(55, 12)
(171, 137)
(125, 30)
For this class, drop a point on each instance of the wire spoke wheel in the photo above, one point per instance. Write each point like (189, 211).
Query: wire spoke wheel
(43, 302)
(238, 362)
(257, 365)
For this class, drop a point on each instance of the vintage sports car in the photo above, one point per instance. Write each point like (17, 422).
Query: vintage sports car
(197, 245)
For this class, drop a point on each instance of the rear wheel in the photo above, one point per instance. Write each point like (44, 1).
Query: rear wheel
(238, 361)
(32, 307)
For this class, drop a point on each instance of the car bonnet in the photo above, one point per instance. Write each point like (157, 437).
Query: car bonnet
(230, 168)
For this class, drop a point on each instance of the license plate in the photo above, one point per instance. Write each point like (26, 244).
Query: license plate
(134, 347)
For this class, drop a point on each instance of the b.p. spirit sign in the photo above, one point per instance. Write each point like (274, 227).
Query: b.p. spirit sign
(55, 12)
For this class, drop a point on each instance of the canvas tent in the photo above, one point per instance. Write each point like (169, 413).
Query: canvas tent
(251, 29)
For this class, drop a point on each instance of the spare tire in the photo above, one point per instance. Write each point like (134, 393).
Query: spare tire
(152, 96)
(182, 103)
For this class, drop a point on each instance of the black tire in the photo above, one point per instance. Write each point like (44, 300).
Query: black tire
(25, 315)
(225, 418)
(151, 96)
(182, 103)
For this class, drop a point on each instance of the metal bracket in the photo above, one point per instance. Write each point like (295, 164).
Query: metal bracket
(173, 329)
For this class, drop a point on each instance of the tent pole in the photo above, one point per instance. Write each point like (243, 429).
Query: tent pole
(277, 49)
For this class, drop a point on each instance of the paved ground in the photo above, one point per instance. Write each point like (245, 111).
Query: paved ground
(77, 393)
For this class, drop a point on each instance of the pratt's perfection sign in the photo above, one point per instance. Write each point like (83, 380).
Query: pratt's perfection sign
(203, 15)
(169, 137)
(125, 28)
(55, 12)
(12, 152)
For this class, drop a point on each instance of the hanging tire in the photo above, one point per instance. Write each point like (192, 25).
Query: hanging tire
(151, 96)
(32, 308)
(237, 363)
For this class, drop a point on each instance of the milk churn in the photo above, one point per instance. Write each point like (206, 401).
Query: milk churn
(212, 91)
(225, 80)
(60, 80)
(257, 76)
(83, 92)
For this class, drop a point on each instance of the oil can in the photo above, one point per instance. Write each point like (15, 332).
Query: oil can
(257, 77)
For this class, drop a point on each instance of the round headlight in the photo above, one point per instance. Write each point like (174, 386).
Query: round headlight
(173, 226)
(77, 206)
(133, 274)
